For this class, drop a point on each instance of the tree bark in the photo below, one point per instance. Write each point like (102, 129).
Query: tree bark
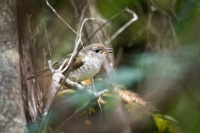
(12, 118)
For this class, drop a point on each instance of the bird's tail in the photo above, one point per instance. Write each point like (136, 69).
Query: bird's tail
(39, 73)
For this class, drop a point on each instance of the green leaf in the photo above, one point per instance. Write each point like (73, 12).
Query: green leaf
(166, 123)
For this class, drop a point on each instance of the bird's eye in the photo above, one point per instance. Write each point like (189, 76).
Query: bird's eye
(96, 50)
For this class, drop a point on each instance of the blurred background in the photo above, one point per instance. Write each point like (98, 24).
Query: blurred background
(157, 56)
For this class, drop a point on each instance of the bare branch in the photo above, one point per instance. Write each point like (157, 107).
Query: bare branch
(44, 55)
(60, 17)
(45, 28)
(80, 87)
(73, 84)
(104, 24)
(75, 51)
(56, 77)
(135, 17)
(75, 112)
(101, 112)
(50, 66)
(53, 90)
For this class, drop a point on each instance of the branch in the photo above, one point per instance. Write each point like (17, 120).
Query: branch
(56, 77)
(45, 28)
(75, 51)
(53, 90)
(80, 87)
(75, 112)
(60, 17)
(104, 24)
(135, 17)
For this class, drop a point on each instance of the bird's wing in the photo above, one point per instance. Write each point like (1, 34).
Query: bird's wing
(77, 63)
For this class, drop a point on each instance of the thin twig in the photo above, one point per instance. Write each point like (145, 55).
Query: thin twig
(73, 84)
(103, 33)
(83, 23)
(104, 24)
(45, 28)
(73, 56)
(135, 17)
(60, 17)
(75, 112)
(138, 6)
(75, 8)
(80, 87)
(50, 129)
(50, 66)
(44, 55)
(75, 51)
(101, 112)
(93, 85)
(79, 25)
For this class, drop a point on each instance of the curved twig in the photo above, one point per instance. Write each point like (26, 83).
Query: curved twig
(75, 51)
(135, 17)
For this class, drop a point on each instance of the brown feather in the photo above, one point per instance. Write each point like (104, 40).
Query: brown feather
(77, 63)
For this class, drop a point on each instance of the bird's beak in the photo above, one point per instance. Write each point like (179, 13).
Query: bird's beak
(108, 50)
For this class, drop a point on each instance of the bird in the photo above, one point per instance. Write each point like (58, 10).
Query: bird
(86, 64)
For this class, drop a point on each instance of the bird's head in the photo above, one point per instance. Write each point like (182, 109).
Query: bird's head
(97, 50)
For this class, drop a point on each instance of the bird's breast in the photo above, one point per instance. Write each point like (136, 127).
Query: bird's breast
(86, 71)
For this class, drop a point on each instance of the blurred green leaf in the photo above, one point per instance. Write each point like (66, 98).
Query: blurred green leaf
(165, 122)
